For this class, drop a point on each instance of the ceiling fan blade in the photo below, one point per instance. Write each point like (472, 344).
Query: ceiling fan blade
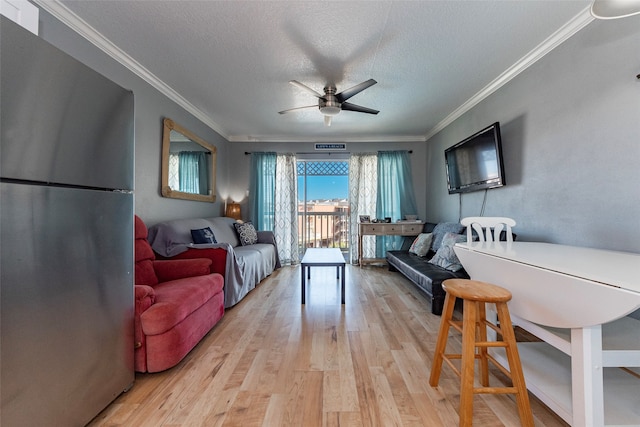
(346, 94)
(306, 88)
(290, 110)
(327, 120)
(353, 107)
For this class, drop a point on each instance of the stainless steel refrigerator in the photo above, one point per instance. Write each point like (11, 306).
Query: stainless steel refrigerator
(66, 235)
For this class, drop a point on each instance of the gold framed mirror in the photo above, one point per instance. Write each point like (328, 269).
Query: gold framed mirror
(188, 164)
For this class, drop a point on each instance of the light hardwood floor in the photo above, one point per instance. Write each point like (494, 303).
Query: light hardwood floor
(274, 362)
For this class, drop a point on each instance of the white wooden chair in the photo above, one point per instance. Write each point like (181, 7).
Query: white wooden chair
(488, 228)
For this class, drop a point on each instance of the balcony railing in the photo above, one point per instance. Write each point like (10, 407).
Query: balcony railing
(323, 230)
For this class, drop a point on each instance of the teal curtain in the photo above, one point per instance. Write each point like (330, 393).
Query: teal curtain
(396, 197)
(193, 173)
(203, 173)
(262, 196)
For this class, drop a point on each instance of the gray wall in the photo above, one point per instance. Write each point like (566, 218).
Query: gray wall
(150, 108)
(571, 141)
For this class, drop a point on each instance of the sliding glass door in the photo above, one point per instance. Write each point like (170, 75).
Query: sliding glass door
(323, 204)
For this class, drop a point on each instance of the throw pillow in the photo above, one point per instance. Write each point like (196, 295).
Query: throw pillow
(246, 233)
(441, 229)
(421, 244)
(445, 257)
(203, 235)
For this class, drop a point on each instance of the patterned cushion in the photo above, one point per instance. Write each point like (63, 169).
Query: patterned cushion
(421, 244)
(441, 229)
(445, 257)
(246, 233)
(203, 235)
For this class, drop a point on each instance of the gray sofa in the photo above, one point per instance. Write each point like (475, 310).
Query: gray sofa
(426, 276)
(243, 266)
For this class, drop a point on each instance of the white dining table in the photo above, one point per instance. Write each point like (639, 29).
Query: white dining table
(576, 300)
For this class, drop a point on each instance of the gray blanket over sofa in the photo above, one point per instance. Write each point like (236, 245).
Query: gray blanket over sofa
(246, 266)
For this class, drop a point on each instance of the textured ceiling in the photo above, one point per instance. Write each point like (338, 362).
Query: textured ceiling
(230, 61)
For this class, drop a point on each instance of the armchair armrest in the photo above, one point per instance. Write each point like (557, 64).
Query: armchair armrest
(217, 253)
(173, 269)
(145, 296)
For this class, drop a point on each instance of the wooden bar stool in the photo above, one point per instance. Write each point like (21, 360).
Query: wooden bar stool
(473, 327)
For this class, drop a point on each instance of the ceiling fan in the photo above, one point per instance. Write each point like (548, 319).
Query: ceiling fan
(331, 103)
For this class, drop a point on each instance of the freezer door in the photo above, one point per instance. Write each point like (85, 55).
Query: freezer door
(61, 122)
(66, 286)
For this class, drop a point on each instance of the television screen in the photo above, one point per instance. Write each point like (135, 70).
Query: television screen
(475, 163)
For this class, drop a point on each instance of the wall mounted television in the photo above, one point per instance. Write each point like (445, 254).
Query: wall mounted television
(475, 163)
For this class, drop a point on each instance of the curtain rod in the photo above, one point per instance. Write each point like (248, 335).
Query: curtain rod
(246, 153)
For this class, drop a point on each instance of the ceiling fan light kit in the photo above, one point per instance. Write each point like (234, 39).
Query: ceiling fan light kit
(328, 104)
(613, 9)
(331, 103)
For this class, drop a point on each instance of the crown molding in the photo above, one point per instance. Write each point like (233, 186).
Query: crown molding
(578, 22)
(77, 24)
(67, 17)
(379, 138)
(73, 21)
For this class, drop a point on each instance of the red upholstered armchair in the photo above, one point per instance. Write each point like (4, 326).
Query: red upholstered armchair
(177, 303)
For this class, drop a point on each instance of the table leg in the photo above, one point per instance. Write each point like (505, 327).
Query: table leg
(342, 284)
(337, 272)
(302, 267)
(587, 382)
